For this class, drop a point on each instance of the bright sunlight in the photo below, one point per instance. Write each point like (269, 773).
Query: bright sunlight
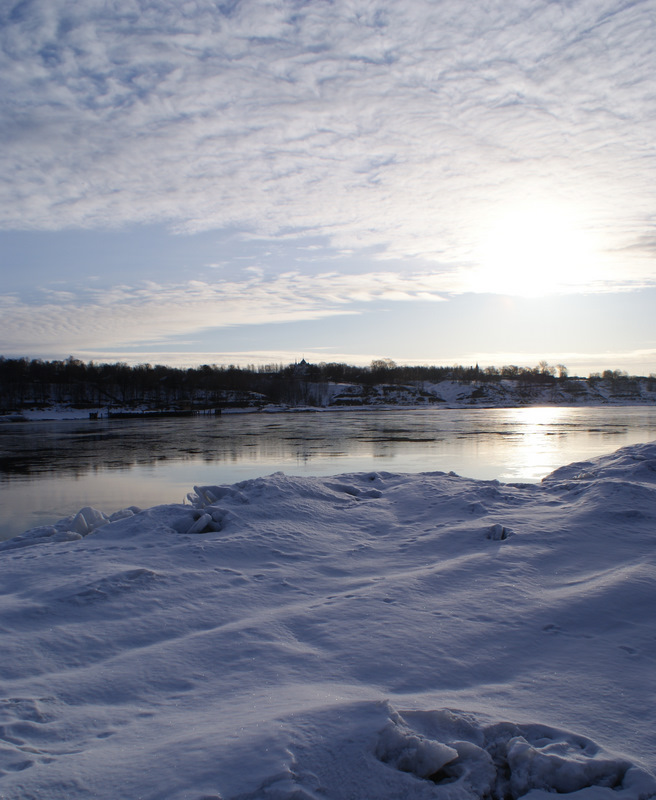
(533, 251)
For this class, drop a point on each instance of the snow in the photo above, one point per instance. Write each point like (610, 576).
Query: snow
(318, 396)
(369, 635)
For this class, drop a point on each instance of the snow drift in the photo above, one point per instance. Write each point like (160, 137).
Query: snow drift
(360, 636)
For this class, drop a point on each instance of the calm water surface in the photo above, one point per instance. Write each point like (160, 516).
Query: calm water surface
(51, 469)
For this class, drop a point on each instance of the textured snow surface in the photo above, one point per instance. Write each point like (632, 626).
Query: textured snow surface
(363, 636)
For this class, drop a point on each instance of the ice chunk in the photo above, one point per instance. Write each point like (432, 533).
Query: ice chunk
(201, 524)
(560, 764)
(505, 760)
(498, 532)
(88, 520)
(412, 752)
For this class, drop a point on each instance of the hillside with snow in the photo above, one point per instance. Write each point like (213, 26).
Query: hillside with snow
(360, 636)
(506, 393)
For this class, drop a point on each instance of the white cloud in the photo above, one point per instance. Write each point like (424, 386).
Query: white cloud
(131, 315)
(370, 121)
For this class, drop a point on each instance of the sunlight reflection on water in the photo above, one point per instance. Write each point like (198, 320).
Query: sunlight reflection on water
(50, 470)
(541, 448)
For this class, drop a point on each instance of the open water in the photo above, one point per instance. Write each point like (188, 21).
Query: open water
(49, 470)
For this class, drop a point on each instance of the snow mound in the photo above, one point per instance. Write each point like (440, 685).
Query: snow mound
(634, 463)
(258, 641)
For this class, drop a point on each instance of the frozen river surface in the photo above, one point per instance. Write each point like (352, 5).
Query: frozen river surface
(49, 470)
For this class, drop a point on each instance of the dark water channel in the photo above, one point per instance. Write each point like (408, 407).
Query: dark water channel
(51, 469)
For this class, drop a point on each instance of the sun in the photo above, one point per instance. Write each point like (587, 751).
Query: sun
(534, 251)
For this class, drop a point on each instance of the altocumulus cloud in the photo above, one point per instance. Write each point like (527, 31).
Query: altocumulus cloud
(130, 315)
(377, 123)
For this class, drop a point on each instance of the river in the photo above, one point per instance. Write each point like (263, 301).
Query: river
(49, 470)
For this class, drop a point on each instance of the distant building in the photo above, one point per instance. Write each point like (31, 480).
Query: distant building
(301, 368)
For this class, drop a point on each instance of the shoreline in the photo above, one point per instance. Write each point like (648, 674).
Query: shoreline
(64, 413)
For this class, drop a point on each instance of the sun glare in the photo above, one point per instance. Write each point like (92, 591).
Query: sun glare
(533, 252)
(536, 452)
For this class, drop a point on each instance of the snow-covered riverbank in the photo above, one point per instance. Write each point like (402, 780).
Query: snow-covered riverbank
(360, 636)
(326, 396)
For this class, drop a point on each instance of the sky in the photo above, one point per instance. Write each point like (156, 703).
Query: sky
(260, 181)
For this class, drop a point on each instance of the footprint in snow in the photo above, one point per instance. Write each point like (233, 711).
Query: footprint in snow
(630, 650)
(556, 630)
(22, 720)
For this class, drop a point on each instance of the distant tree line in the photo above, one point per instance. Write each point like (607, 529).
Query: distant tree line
(35, 382)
